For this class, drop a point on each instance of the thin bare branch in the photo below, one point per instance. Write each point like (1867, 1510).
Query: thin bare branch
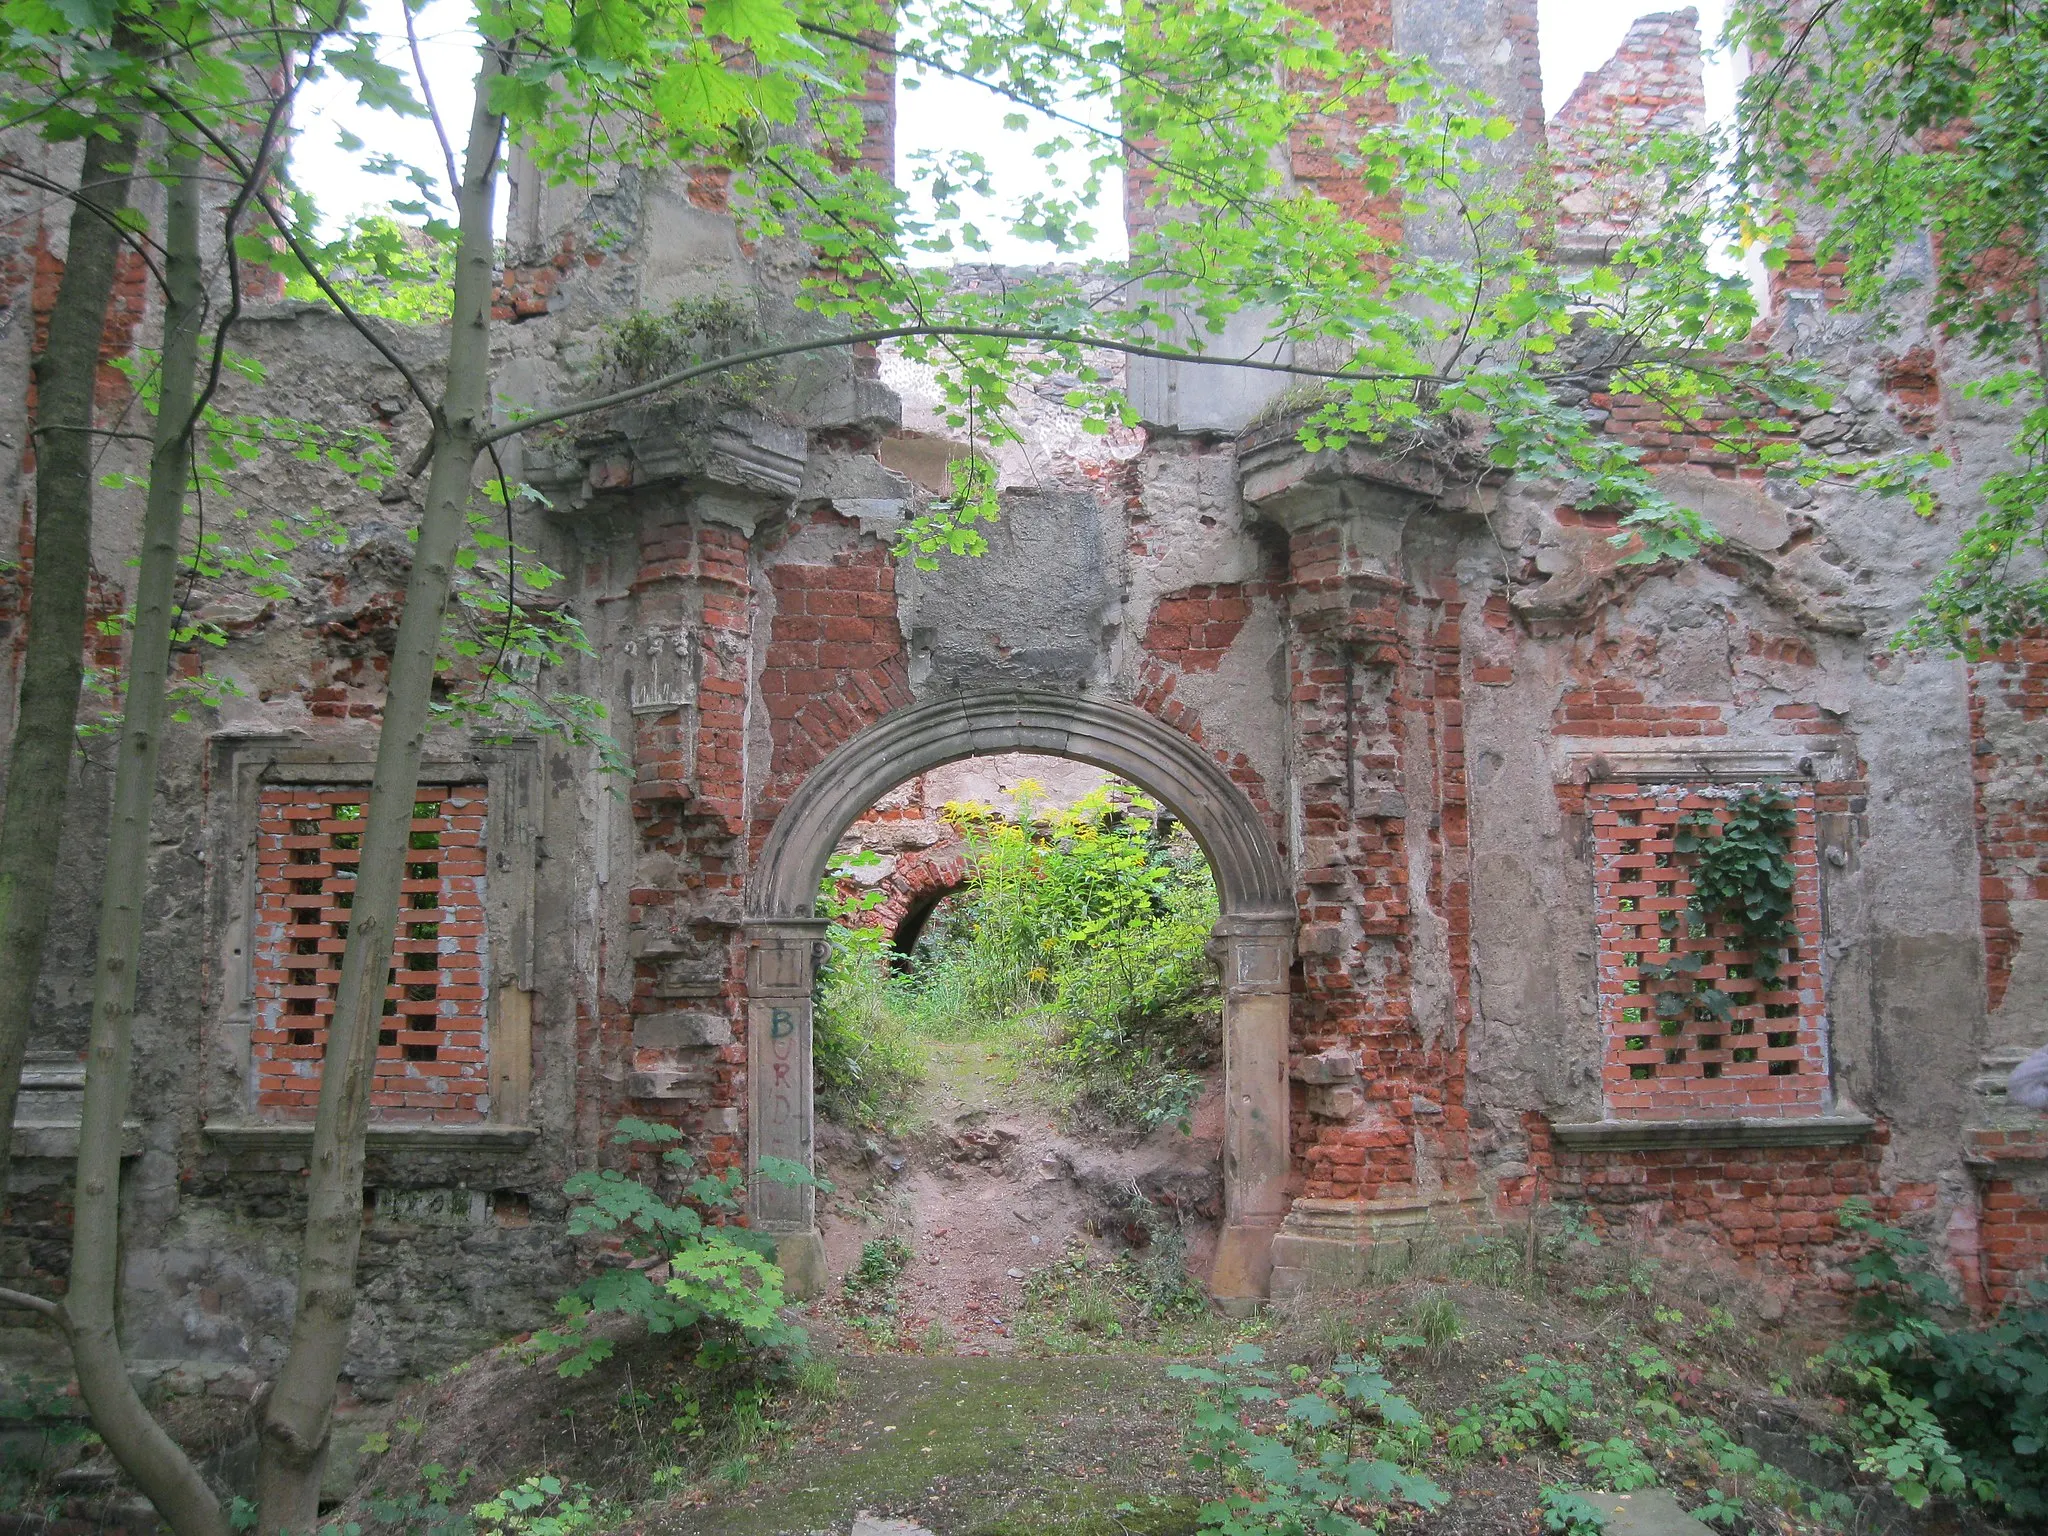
(896, 332)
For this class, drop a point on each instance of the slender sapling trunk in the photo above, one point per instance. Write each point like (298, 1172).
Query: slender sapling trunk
(39, 762)
(148, 1455)
(298, 1413)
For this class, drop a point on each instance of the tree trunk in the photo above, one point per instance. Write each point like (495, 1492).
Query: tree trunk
(298, 1414)
(148, 1455)
(39, 763)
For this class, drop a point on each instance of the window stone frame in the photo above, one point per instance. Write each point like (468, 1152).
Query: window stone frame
(240, 768)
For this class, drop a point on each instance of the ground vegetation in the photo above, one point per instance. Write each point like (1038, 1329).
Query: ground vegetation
(1480, 1385)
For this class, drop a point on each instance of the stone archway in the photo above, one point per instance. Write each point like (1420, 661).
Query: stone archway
(1253, 940)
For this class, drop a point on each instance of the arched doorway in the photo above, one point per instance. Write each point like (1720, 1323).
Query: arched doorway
(1254, 941)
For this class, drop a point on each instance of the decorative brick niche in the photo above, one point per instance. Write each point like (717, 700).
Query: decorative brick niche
(432, 1060)
(1768, 1059)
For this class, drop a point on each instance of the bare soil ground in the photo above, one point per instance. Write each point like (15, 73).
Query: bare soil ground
(984, 1187)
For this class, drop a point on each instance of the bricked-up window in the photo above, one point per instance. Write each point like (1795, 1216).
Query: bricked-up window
(431, 1058)
(1767, 1058)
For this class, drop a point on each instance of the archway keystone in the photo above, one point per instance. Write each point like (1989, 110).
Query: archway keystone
(1253, 943)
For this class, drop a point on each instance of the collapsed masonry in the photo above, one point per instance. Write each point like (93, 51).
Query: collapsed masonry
(1430, 733)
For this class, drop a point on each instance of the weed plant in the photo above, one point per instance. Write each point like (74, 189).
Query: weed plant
(1940, 1407)
(864, 1055)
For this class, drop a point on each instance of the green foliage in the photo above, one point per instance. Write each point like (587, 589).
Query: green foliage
(882, 1262)
(1084, 928)
(721, 1282)
(1299, 1453)
(1095, 918)
(1940, 1408)
(385, 268)
(1885, 123)
(427, 1509)
(1570, 1514)
(1616, 1463)
(1079, 1303)
(1743, 873)
(539, 1506)
(862, 1051)
(1542, 1401)
(505, 630)
(1435, 1319)
(646, 344)
(1742, 876)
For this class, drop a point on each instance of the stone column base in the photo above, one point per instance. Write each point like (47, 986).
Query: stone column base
(1335, 1244)
(1243, 1268)
(801, 1256)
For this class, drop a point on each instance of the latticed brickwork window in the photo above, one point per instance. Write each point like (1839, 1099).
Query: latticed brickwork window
(431, 1058)
(1767, 1057)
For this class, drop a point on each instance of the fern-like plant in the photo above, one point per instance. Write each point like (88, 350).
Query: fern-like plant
(685, 1266)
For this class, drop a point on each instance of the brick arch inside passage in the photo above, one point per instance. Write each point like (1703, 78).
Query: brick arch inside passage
(912, 891)
(1253, 939)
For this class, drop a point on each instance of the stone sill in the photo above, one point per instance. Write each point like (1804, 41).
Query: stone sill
(58, 1139)
(230, 1136)
(1656, 1135)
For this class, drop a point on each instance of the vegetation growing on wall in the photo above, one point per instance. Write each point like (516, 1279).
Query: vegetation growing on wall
(1741, 869)
(1080, 943)
(1872, 126)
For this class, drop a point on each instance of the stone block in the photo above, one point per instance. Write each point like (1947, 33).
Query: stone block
(657, 1085)
(681, 1029)
(1335, 1103)
(1335, 1065)
(1321, 939)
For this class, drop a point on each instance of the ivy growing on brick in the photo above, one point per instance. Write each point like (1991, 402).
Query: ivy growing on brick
(1742, 875)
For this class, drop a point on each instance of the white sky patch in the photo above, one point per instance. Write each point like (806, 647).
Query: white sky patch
(944, 114)
(941, 114)
(339, 179)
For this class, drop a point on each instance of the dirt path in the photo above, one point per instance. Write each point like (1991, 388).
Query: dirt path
(977, 1447)
(984, 1188)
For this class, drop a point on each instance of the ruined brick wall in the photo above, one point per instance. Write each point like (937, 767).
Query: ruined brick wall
(1435, 688)
(1652, 85)
(2008, 694)
(1774, 1210)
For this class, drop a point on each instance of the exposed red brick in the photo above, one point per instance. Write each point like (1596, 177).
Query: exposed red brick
(1769, 1057)
(431, 1057)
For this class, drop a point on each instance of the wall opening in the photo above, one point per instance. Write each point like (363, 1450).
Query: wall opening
(1252, 941)
(1018, 1061)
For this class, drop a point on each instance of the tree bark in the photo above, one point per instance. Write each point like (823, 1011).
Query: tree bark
(39, 762)
(149, 1456)
(297, 1415)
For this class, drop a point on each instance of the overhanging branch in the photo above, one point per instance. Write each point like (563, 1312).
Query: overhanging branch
(896, 332)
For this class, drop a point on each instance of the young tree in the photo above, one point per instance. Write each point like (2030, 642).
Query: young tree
(90, 73)
(39, 758)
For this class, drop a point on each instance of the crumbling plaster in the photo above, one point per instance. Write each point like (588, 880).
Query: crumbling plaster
(1444, 655)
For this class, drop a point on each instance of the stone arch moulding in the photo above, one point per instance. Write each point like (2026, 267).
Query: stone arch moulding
(1254, 940)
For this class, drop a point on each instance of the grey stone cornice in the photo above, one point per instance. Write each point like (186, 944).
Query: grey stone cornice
(1656, 1135)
